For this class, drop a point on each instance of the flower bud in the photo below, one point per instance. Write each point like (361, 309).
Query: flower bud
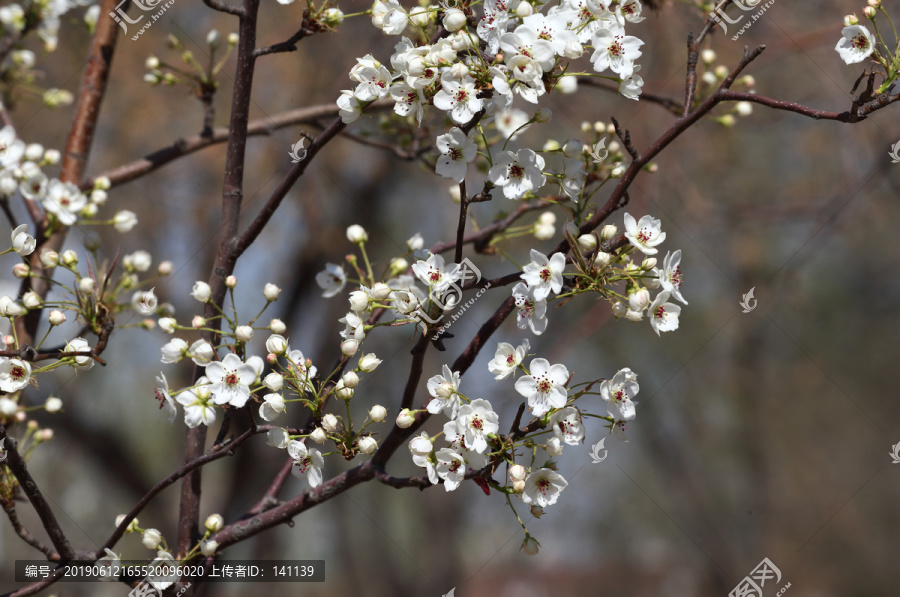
(416, 242)
(167, 324)
(271, 292)
(318, 435)
(367, 445)
(454, 19)
(31, 299)
(517, 472)
(377, 413)
(850, 20)
(530, 545)
(198, 322)
(380, 291)
(329, 423)
(869, 12)
(359, 301)
(233, 39)
(243, 333)
(524, 9)
(277, 326)
(608, 232)
(554, 447)
(743, 108)
(369, 362)
(342, 391)
(350, 379)
(648, 263)
(543, 115)
(151, 538)
(640, 300)
(132, 526)
(208, 547)
(151, 63)
(398, 266)
(419, 16)
(87, 285)
(53, 404)
(405, 418)
(276, 344)
(124, 220)
(357, 234)
(274, 381)
(518, 485)
(602, 259)
(632, 315)
(875, 3)
(201, 292)
(21, 270)
(587, 242)
(49, 258)
(708, 56)
(214, 523)
(165, 268)
(230, 281)
(56, 317)
(349, 347)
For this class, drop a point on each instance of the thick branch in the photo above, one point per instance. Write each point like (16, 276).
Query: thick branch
(17, 465)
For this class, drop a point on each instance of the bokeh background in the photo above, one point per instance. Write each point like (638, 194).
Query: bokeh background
(764, 434)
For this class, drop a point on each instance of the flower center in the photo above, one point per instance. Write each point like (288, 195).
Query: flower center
(510, 359)
(18, 373)
(643, 235)
(545, 274)
(543, 485)
(455, 154)
(620, 396)
(660, 312)
(676, 277)
(462, 96)
(860, 42)
(516, 171)
(476, 423)
(544, 385)
(615, 49)
(231, 378)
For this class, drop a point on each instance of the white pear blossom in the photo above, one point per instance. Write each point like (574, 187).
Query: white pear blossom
(197, 403)
(22, 242)
(663, 314)
(475, 422)
(615, 51)
(272, 406)
(856, 44)
(518, 172)
(422, 448)
(531, 311)
(452, 465)
(231, 379)
(644, 234)
(435, 274)
(354, 327)
(544, 387)
(174, 350)
(457, 151)
(507, 359)
(408, 100)
(331, 279)
(542, 487)
(544, 274)
(618, 392)
(670, 276)
(567, 426)
(64, 200)
(444, 391)
(458, 97)
(165, 399)
(14, 375)
(308, 462)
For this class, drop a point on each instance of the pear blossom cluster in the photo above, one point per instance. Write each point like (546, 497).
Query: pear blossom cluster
(481, 65)
(22, 171)
(858, 43)
(235, 378)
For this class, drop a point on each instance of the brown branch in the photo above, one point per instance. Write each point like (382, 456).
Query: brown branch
(9, 507)
(226, 255)
(75, 155)
(625, 136)
(269, 500)
(668, 103)
(16, 464)
(183, 147)
(226, 8)
(690, 82)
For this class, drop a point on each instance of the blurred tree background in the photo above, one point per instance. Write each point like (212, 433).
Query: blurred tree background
(763, 434)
